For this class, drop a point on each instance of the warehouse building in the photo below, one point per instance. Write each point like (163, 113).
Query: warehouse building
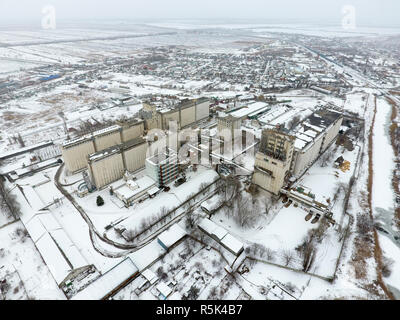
(132, 191)
(60, 254)
(109, 165)
(251, 110)
(313, 136)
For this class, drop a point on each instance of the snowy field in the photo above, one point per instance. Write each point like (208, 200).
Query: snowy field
(382, 192)
(23, 267)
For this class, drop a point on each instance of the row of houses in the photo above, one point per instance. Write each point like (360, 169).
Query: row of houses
(133, 266)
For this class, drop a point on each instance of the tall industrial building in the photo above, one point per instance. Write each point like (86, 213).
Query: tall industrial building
(163, 167)
(75, 152)
(159, 113)
(109, 165)
(273, 160)
(285, 154)
(228, 124)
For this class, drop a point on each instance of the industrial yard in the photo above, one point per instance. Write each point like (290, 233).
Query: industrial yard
(189, 161)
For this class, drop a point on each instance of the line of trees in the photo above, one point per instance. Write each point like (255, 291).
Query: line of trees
(8, 200)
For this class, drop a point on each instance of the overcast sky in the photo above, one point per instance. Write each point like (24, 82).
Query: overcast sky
(368, 12)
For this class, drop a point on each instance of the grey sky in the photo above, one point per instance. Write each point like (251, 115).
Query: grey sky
(371, 12)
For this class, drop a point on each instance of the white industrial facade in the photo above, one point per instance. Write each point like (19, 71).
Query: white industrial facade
(313, 137)
(280, 158)
(110, 164)
(184, 113)
(272, 163)
(75, 152)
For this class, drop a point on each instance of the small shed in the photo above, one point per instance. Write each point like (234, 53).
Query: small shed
(150, 276)
(164, 290)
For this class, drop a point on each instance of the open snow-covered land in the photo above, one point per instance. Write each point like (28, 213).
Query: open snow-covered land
(326, 226)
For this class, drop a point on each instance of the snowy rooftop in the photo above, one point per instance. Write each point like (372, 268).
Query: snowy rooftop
(172, 235)
(251, 108)
(232, 244)
(164, 289)
(110, 280)
(132, 188)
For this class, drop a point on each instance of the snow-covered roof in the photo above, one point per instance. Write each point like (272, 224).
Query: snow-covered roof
(212, 228)
(108, 282)
(251, 108)
(35, 229)
(132, 188)
(164, 289)
(54, 259)
(211, 203)
(153, 190)
(149, 275)
(56, 248)
(232, 244)
(172, 235)
(33, 199)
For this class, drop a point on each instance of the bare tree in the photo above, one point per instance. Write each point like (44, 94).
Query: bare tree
(244, 213)
(326, 158)
(387, 264)
(190, 220)
(270, 254)
(213, 295)
(364, 225)
(20, 140)
(288, 257)
(10, 200)
(192, 294)
(130, 235)
(267, 205)
(163, 211)
(231, 189)
(307, 252)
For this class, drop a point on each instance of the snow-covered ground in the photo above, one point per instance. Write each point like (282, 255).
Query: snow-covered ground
(22, 265)
(382, 191)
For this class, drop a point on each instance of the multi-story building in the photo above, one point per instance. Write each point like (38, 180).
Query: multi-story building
(285, 154)
(272, 163)
(163, 167)
(313, 136)
(131, 128)
(228, 125)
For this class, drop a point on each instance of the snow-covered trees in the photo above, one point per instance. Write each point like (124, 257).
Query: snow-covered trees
(288, 256)
(307, 252)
